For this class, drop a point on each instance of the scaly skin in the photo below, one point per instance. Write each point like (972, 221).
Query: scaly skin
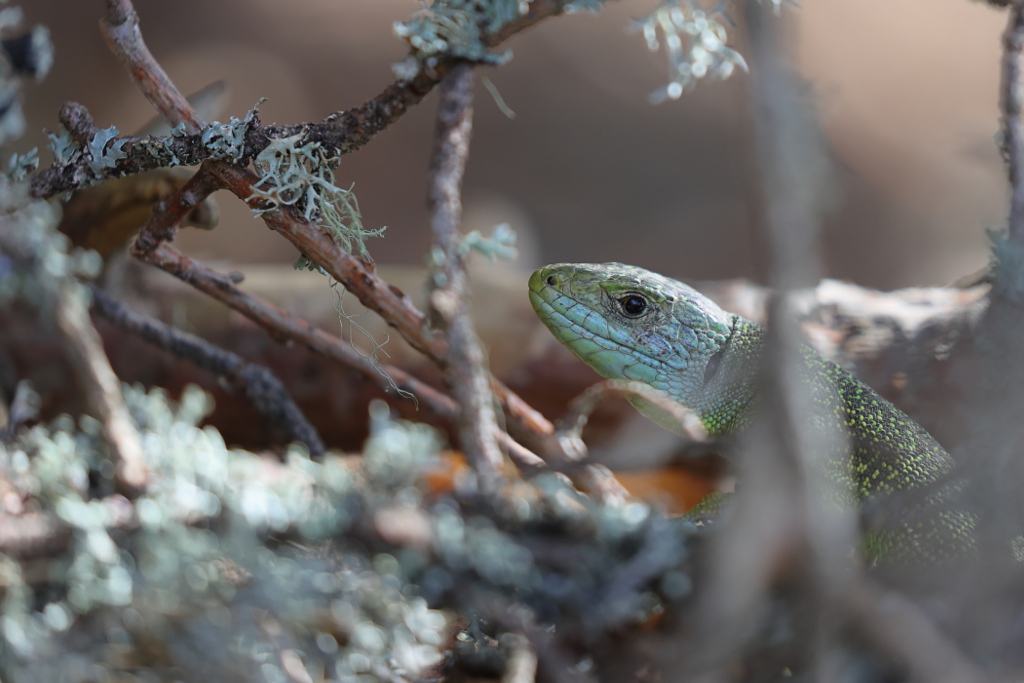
(630, 323)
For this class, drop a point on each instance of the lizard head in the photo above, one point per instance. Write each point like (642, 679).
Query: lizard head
(630, 323)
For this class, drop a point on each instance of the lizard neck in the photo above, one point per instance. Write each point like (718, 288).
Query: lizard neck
(725, 404)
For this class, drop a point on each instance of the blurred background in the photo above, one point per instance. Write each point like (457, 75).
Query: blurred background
(589, 170)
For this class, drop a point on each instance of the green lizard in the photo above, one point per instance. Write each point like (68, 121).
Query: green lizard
(629, 323)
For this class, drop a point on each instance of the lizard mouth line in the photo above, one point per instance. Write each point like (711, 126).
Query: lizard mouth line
(546, 312)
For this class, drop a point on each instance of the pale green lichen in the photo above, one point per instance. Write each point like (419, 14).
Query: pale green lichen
(225, 141)
(456, 28)
(302, 176)
(500, 245)
(233, 566)
(695, 45)
(187, 564)
(105, 151)
(63, 147)
(21, 165)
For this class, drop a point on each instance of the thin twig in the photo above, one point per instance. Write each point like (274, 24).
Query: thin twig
(163, 225)
(1012, 98)
(677, 416)
(121, 30)
(466, 373)
(264, 390)
(77, 120)
(283, 326)
(525, 424)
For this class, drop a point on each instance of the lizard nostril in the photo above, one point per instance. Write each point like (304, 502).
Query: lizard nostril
(551, 280)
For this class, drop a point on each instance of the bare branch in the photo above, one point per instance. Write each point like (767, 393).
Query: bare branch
(284, 326)
(676, 416)
(264, 390)
(120, 28)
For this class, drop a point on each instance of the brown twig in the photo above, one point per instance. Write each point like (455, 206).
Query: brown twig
(466, 373)
(264, 390)
(163, 225)
(284, 326)
(120, 28)
(356, 275)
(77, 120)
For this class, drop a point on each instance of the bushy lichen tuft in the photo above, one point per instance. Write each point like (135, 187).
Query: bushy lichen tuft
(233, 566)
(457, 28)
(63, 147)
(695, 44)
(302, 176)
(190, 568)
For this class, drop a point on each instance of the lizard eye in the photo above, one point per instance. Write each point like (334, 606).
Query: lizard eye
(633, 305)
